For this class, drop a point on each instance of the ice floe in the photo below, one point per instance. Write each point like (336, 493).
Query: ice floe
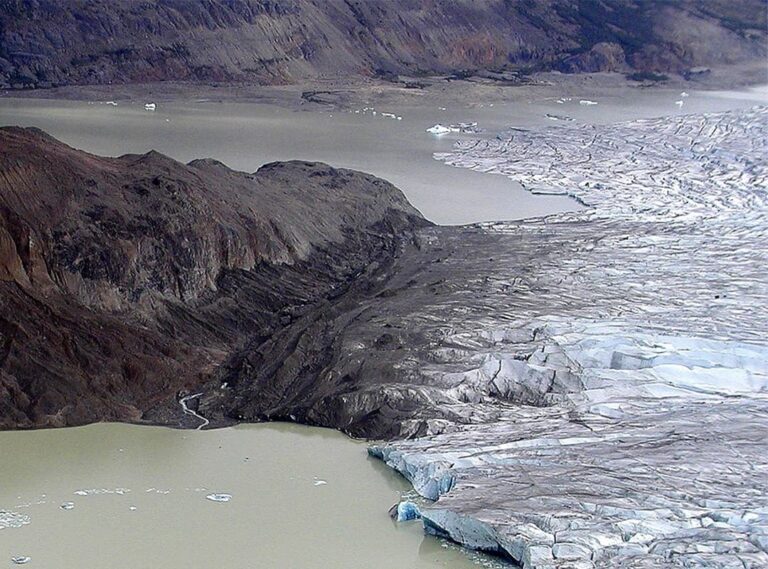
(405, 511)
(101, 491)
(554, 117)
(12, 519)
(438, 129)
(219, 497)
(462, 127)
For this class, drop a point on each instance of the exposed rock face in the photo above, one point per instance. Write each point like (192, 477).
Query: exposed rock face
(603, 56)
(46, 42)
(125, 280)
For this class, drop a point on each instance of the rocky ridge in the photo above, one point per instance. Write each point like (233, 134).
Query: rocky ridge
(126, 280)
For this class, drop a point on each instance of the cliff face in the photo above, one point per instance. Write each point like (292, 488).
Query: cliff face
(124, 280)
(47, 42)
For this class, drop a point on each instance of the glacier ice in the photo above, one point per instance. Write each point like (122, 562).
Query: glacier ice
(603, 374)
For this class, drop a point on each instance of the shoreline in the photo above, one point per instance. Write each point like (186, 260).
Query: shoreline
(439, 90)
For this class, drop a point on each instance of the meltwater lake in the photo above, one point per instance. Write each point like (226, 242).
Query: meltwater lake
(122, 496)
(246, 135)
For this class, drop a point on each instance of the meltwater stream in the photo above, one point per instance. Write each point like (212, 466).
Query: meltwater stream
(269, 496)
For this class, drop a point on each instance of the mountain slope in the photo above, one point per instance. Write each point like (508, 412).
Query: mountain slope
(47, 42)
(124, 280)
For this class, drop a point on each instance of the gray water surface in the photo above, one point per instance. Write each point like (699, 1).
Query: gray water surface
(246, 135)
(301, 498)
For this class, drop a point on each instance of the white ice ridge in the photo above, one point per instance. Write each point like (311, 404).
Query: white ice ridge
(616, 358)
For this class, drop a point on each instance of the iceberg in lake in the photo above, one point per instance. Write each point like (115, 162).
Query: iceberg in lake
(219, 497)
(438, 129)
(407, 511)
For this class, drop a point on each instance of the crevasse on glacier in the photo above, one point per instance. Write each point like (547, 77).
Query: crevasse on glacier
(620, 380)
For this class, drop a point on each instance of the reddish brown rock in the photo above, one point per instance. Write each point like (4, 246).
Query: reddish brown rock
(46, 43)
(124, 280)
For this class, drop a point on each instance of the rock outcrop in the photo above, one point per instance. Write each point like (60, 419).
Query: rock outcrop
(125, 280)
(603, 56)
(46, 43)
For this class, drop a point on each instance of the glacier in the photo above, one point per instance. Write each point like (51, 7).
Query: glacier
(602, 374)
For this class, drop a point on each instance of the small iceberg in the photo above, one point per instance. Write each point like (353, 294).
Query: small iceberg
(149, 106)
(320, 483)
(465, 127)
(67, 506)
(405, 511)
(587, 102)
(679, 103)
(684, 94)
(113, 103)
(21, 560)
(552, 117)
(438, 129)
(219, 497)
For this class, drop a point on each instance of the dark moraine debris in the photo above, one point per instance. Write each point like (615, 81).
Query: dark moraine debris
(125, 282)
